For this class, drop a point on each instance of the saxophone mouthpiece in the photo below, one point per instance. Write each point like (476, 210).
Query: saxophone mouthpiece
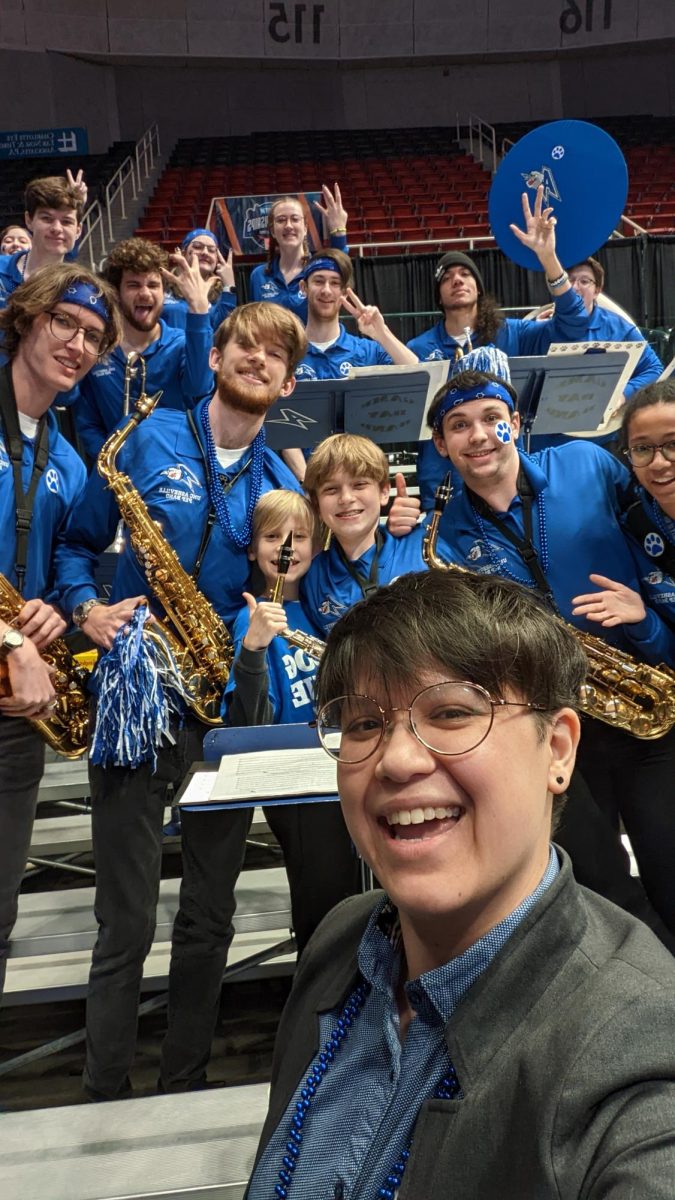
(285, 556)
(443, 493)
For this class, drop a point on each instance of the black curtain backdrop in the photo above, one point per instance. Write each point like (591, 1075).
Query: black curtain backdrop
(640, 276)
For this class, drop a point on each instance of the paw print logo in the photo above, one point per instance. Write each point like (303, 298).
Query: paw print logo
(503, 431)
(52, 480)
(345, 368)
(654, 545)
(558, 152)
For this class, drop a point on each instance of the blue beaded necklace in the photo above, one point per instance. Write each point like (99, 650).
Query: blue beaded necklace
(665, 523)
(240, 537)
(447, 1089)
(544, 557)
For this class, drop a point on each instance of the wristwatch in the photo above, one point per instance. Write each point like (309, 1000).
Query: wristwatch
(81, 611)
(10, 640)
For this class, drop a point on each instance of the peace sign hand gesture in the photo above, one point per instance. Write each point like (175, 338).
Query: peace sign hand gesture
(368, 317)
(76, 182)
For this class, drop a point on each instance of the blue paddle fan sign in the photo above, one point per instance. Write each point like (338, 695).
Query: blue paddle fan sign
(585, 181)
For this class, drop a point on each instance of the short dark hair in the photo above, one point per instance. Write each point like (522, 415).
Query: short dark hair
(52, 191)
(660, 392)
(597, 270)
(465, 381)
(482, 628)
(41, 292)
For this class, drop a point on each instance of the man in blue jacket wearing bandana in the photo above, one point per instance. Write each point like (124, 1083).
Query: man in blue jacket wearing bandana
(200, 474)
(201, 246)
(551, 522)
(55, 327)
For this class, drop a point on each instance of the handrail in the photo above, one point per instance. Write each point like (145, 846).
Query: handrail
(472, 242)
(116, 188)
(92, 221)
(485, 136)
(147, 151)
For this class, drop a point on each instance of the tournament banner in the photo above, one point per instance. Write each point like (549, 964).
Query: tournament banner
(43, 143)
(240, 222)
(585, 181)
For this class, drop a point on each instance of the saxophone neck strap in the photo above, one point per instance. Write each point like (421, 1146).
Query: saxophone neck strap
(23, 500)
(367, 583)
(524, 545)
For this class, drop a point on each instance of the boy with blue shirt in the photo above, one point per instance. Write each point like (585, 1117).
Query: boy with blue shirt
(332, 352)
(550, 521)
(347, 481)
(53, 213)
(176, 360)
(54, 329)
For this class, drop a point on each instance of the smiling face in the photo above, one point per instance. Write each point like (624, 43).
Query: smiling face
(287, 225)
(55, 230)
(458, 289)
(324, 291)
(204, 249)
(479, 439)
(265, 549)
(250, 378)
(652, 427)
(350, 506)
(57, 365)
(141, 299)
(15, 238)
(456, 842)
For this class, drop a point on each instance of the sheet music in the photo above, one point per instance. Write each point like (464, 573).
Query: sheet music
(437, 370)
(633, 350)
(265, 775)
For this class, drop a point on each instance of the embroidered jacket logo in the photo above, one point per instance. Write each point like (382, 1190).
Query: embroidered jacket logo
(184, 486)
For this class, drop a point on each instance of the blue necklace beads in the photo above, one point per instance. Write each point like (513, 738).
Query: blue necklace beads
(664, 523)
(447, 1089)
(240, 537)
(543, 543)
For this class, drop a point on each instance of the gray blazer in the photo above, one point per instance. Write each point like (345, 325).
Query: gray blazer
(564, 1048)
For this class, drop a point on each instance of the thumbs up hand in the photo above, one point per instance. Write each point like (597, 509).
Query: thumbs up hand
(405, 510)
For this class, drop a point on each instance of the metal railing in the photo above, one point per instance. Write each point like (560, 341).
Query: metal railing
(358, 248)
(92, 243)
(147, 152)
(117, 191)
(483, 142)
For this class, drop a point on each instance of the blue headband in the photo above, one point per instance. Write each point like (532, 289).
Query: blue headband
(320, 264)
(87, 296)
(195, 233)
(456, 396)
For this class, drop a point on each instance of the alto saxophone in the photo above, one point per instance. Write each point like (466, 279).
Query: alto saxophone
(195, 634)
(295, 637)
(619, 690)
(66, 729)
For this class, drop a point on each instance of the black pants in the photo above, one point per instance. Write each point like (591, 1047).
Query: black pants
(634, 781)
(22, 760)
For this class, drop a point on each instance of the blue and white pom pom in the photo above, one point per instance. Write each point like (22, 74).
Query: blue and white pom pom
(485, 358)
(139, 690)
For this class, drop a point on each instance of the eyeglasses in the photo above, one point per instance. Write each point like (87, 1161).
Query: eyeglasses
(448, 718)
(65, 328)
(644, 453)
(583, 280)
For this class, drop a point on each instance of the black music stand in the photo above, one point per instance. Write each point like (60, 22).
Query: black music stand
(565, 393)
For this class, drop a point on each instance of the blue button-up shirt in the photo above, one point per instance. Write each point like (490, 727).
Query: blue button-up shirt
(375, 1079)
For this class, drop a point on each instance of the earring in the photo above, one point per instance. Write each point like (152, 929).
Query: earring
(560, 778)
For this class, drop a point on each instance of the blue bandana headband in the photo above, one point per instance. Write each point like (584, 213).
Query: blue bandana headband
(87, 296)
(320, 264)
(456, 396)
(195, 233)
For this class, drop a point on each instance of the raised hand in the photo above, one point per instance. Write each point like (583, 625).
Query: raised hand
(266, 620)
(615, 604)
(225, 270)
(333, 210)
(187, 276)
(76, 182)
(405, 510)
(368, 317)
(539, 232)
